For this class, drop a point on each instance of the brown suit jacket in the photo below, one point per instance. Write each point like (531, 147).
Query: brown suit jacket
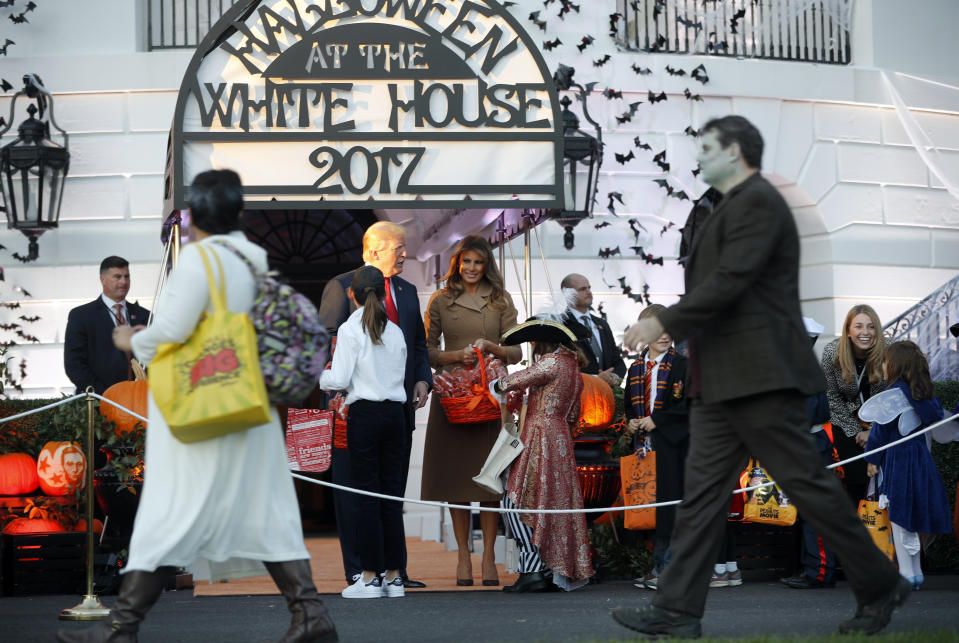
(741, 307)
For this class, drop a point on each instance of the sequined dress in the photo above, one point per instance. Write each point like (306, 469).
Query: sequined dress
(544, 475)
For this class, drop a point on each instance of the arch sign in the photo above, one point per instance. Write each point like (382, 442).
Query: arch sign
(371, 103)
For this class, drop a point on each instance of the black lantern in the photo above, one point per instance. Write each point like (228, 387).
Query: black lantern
(33, 168)
(582, 157)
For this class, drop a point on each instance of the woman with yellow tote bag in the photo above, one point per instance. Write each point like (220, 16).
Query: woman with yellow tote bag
(223, 507)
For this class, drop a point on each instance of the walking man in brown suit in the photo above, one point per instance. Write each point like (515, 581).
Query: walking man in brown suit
(751, 367)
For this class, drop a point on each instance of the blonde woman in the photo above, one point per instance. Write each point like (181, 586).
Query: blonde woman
(852, 364)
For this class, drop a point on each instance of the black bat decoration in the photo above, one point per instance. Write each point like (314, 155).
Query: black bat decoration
(12, 326)
(656, 46)
(614, 196)
(666, 227)
(641, 145)
(586, 42)
(602, 225)
(675, 72)
(636, 227)
(3, 49)
(550, 45)
(9, 343)
(18, 19)
(655, 98)
(628, 114)
(589, 87)
(612, 93)
(722, 44)
(628, 291)
(7, 3)
(691, 96)
(699, 73)
(642, 71)
(697, 170)
(606, 253)
(4, 85)
(602, 61)
(689, 131)
(19, 257)
(663, 183)
(3, 277)
(681, 195)
(534, 18)
(689, 23)
(649, 302)
(21, 289)
(613, 22)
(648, 258)
(658, 7)
(660, 160)
(29, 338)
(10, 304)
(31, 6)
(623, 159)
(739, 15)
(30, 318)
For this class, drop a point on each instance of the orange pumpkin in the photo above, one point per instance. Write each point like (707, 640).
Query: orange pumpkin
(18, 474)
(32, 526)
(130, 395)
(61, 467)
(596, 404)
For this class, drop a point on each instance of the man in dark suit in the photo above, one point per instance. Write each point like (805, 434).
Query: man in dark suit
(384, 246)
(89, 356)
(593, 334)
(751, 368)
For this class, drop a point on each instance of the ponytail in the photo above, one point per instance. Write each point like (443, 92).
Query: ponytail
(374, 316)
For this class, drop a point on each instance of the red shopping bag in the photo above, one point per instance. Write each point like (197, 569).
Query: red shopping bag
(309, 439)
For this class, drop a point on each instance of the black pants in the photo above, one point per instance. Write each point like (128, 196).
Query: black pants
(376, 440)
(773, 427)
(818, 561)
(345, 507)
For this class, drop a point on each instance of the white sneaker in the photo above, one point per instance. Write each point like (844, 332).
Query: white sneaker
(359, 589)
(394, 588)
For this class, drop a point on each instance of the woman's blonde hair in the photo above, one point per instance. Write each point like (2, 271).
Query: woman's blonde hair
(454, 281)
(844, 355)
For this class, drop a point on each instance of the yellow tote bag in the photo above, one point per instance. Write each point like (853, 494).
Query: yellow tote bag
(767, 505)
(211, 385)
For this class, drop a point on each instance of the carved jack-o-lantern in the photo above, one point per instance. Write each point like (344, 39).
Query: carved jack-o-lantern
(62, 468)
(596, 404)
(18, 474)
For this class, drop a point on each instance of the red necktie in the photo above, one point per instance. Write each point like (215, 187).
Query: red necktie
(649, 386)
(390, 306)
(118, 313)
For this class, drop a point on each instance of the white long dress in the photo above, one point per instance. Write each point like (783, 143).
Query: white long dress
(223, 506)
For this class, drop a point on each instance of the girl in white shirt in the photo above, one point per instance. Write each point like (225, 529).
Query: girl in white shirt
(369, 364)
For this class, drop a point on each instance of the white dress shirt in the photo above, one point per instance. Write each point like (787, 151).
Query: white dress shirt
(367, 371)
(652, 380)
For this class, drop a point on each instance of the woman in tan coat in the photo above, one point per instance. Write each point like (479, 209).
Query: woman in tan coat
(473, 310)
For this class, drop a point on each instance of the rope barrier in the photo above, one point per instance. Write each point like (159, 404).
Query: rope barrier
(501, 510)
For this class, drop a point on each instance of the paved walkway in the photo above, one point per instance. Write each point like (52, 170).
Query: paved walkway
(750, 610)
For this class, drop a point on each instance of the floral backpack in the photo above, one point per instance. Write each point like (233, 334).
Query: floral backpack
(291, 340)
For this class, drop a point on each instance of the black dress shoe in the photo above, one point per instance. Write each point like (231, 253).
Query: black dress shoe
(532, 582)
(791, 579)
(872, 617)
(806, 582)
(659, 622)
(412, 584)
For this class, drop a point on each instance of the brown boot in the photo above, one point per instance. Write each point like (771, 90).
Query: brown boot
(310, 623)
(138, 592)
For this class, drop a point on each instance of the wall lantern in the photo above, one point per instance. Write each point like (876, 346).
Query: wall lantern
(33, 168)
(582, 157)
